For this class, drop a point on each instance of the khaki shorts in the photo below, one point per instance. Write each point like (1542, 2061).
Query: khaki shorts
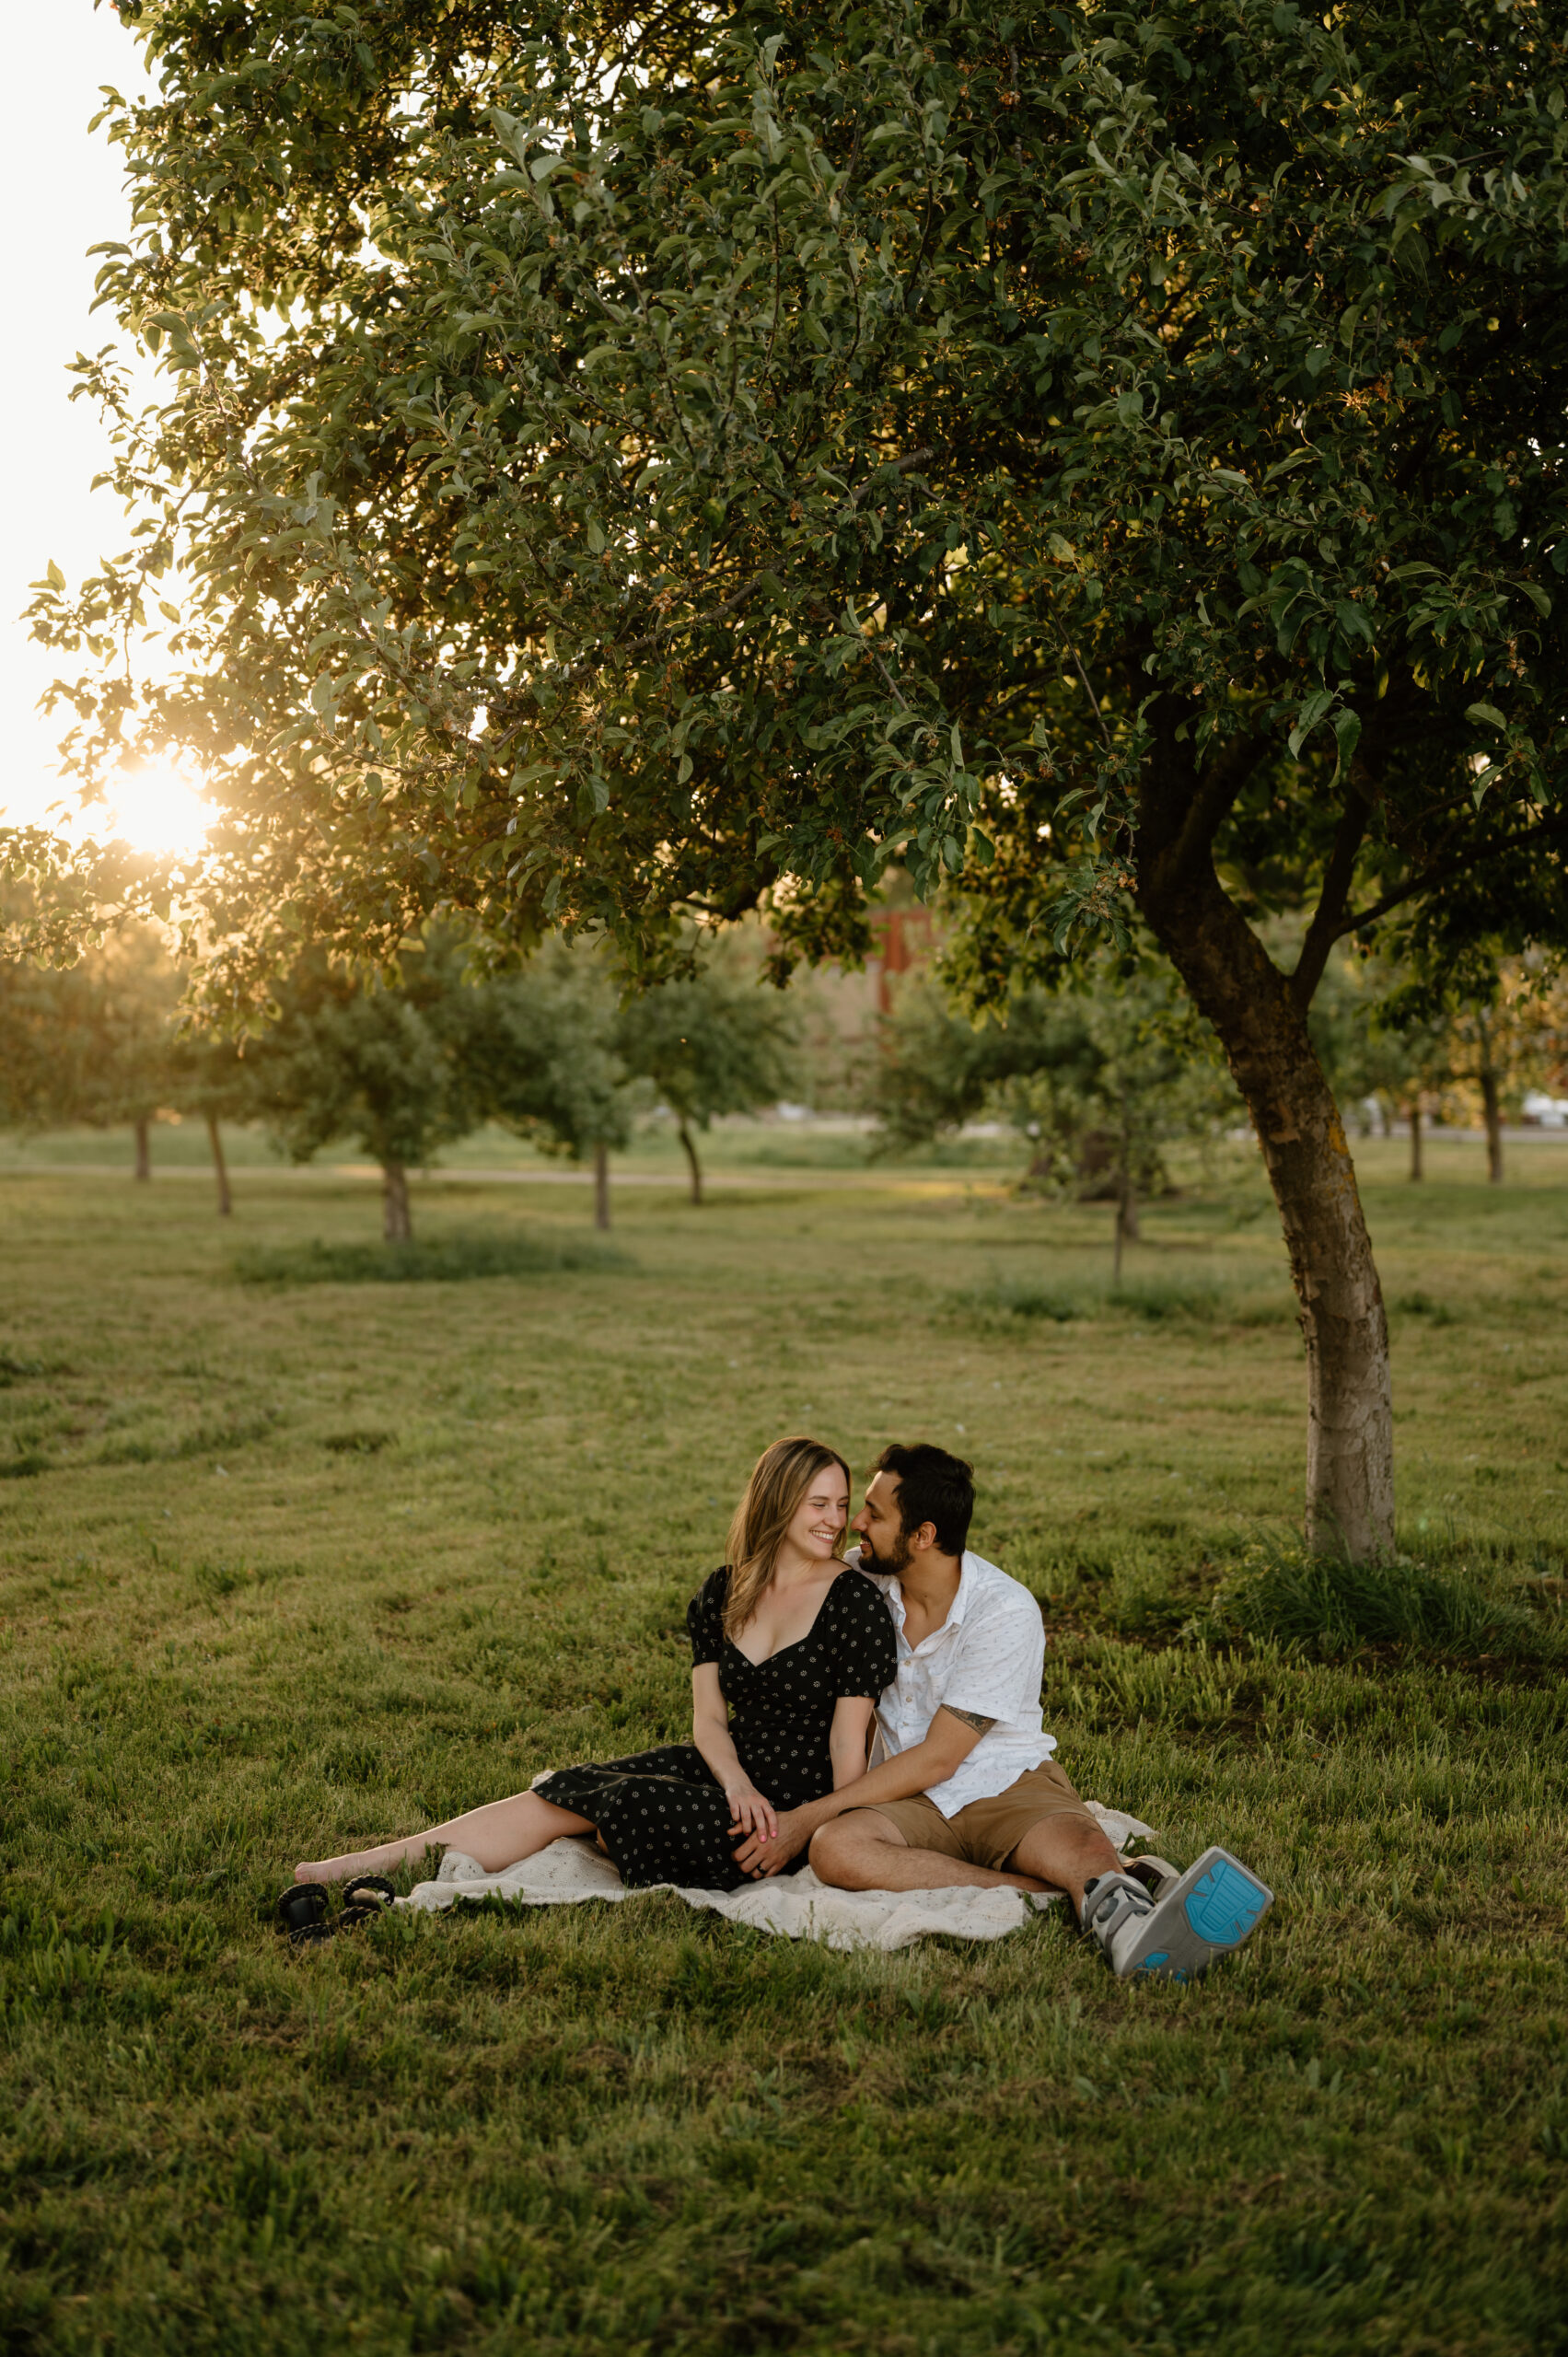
(987, 1832)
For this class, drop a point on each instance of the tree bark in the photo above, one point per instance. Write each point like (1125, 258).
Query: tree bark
(1417, 1168)
(397, 1218)
(601, 1186)
(1254, 1008)
(143, 1148)
(220, 1167)
(689, 1145)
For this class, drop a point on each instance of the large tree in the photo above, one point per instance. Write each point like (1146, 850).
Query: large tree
(626, 461)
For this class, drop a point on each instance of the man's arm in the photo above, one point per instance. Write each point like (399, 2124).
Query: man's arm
(949, 1740)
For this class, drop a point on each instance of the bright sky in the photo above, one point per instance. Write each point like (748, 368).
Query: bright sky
(61, 191)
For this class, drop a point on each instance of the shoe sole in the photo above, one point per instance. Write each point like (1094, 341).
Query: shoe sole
(1218, 1903)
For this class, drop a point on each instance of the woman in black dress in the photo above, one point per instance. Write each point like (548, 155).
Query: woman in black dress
(790, 1648)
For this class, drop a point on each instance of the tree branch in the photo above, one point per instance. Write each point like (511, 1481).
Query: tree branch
(1223, 780)
(1337, 877)
(1434, 876)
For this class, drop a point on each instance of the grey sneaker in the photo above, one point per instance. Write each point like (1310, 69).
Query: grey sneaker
(1205, 1912)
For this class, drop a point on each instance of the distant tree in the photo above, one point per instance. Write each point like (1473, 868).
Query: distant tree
(1504, 1026)
(1099, 1080)
(388, 1065)
(1466, 1037)
(719, 1042)
(548, 1061)
(1378, 1045)
(210, 1079)
(92, 1043)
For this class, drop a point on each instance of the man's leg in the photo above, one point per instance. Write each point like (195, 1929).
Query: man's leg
(862, 1850)
(1065, 1850)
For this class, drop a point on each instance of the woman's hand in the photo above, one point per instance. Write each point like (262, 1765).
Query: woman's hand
(750, 1813)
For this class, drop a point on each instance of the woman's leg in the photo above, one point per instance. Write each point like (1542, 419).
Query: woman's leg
(497, 1835)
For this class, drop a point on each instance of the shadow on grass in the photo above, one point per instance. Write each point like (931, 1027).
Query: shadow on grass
(446, 1260)
(1199, 1299)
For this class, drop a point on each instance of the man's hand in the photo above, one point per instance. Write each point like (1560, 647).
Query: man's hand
(763, 1855)
(750, 1813)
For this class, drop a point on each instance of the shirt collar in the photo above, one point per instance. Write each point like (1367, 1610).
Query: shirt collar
(971, 1569)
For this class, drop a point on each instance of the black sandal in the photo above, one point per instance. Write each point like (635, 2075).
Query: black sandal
(302, 1912)
(369, 1894)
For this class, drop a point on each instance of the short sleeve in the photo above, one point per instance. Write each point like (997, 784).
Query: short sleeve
(999, 1660)
(704, 1618)
(866, 1650)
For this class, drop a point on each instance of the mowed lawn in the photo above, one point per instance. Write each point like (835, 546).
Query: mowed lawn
(287, 1564)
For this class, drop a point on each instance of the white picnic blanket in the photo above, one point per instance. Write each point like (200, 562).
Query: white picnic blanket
(798, 1906)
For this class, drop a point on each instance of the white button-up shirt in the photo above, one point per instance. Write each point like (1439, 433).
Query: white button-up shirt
(988, 1656)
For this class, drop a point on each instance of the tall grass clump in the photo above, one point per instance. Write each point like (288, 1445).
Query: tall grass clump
(1323, 1604)
(447, 1260)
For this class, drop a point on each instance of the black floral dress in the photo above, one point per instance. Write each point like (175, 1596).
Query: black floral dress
(662, 1814)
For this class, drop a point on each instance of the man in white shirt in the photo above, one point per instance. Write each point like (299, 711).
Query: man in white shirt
(962, 1788)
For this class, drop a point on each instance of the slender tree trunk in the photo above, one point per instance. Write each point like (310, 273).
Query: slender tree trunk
(1255, 1011)
(397, 1219)
(696, 1169)
(143, 1148)
(1125, 1230)
(1491, 1108)
(1492, 1113)
(1418, 1170)
(220, 1167)
(601, 1186)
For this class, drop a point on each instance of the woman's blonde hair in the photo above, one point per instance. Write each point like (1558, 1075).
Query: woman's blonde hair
(780, 1480)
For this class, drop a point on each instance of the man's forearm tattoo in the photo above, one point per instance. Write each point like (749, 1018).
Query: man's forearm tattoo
(975, 1719)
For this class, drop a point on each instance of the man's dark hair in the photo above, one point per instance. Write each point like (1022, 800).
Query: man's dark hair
(934, 1488)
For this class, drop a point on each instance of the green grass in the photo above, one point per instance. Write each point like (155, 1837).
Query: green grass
(290, 1565)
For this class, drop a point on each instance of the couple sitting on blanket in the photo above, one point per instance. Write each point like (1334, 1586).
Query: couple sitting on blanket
(800, 1656)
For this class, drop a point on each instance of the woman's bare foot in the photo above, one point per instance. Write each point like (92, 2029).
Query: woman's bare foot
(384, 1860)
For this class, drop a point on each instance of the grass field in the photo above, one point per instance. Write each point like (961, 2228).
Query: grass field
(289, 1562)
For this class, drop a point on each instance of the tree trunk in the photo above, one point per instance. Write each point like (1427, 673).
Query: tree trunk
(1417, 1171)
(220, 1167)
(397, 1219)
(689, 1144)
(1492, 1114)
(601, 1186)
(1126, 1228)
(1491, 1108)
(1255, 1010)
(143, 1148)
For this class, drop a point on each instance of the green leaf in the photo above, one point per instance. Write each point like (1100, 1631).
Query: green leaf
(1347, 736)
(1320, 702)
(1487, 714)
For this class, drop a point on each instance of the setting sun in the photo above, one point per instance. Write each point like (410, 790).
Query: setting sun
(159, 812)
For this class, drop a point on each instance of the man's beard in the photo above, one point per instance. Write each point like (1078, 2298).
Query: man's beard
(885, 1566)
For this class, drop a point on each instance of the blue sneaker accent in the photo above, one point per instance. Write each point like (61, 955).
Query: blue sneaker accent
(1224, 1907)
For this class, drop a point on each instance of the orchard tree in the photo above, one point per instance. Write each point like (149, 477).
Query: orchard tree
(92, 1043)
(710, 1043)
(548, 1061)
(1375, 1044)
(626, 466)
(1101, 1080)
(387, 1065)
